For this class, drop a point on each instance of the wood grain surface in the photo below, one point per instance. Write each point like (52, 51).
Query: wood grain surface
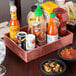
(39, 51)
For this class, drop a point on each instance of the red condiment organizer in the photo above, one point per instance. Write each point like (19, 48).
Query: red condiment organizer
(39, 51)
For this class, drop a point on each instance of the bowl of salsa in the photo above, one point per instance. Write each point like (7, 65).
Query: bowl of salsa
(67, 53)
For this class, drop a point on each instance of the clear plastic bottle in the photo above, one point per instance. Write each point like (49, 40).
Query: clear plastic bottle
(39, 26)
(31, 16)
(52, 31)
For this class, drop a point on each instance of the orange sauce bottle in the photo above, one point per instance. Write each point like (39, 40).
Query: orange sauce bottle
(52, 30)
(14, 26)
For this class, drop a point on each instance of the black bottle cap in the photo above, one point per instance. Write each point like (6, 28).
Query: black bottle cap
(33, 8)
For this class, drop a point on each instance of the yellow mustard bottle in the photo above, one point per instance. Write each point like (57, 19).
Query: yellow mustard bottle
(48, 8)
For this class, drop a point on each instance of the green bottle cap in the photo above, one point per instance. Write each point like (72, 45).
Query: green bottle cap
(52, 15)
(38, 11)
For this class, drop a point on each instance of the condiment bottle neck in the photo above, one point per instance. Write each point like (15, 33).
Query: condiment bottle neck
(52, 19)
(13, 15)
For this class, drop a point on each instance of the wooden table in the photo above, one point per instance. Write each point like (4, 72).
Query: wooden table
(16, 67)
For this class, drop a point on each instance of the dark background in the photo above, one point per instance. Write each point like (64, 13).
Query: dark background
(25, 8)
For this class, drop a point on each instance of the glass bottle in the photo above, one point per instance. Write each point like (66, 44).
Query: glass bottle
(14, 26)
(2, 57)
(18, 5)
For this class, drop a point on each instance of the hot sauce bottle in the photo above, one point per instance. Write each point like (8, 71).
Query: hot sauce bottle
(39, 26)
(52, 31)
(14, 26)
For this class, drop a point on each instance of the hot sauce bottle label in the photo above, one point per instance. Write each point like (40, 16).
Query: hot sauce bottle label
(51, 38)
(13, 31)
(41, 39)
(40, 32)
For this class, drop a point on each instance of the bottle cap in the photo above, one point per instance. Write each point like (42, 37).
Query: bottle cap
(13, 8)
(52, 15)
(38, 11)
(33, 8)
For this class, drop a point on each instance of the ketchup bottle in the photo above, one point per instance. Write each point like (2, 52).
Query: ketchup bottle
(52, 31)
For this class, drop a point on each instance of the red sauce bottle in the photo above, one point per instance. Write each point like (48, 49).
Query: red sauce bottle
(61, 14)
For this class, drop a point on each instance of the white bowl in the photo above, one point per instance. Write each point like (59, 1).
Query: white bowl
(60, 2)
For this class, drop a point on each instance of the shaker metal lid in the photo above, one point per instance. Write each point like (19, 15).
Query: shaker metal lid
(21, 34)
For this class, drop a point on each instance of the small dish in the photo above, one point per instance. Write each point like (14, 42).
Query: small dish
(72, 22)
(53, 74)
(66, 59)
(60, 2)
